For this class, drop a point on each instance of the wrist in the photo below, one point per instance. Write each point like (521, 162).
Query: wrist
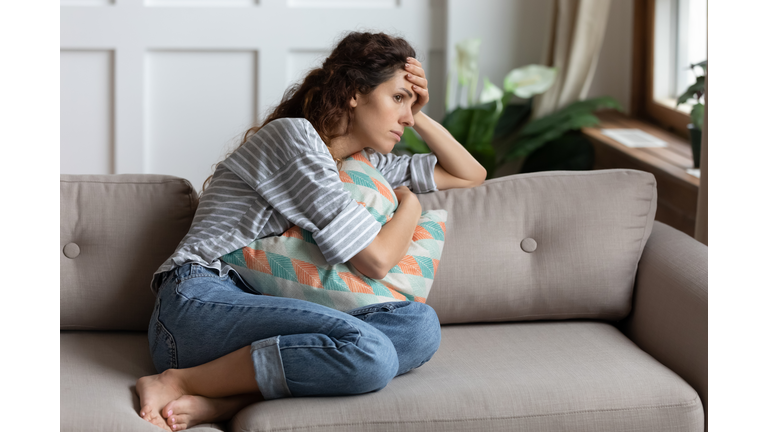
(418, 120)
(408, 200)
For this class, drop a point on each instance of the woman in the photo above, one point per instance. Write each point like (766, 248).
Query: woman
(217, 342)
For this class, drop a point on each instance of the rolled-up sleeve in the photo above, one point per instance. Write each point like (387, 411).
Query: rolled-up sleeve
(351, 231)
(417, 172)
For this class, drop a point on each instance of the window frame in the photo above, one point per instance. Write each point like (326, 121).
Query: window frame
(643, 106)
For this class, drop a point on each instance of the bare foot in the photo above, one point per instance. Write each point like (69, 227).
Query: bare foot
(188, 411)
(155, 391)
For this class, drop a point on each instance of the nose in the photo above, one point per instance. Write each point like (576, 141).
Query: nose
(407, 118)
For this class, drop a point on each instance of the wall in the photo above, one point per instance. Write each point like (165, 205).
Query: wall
(168, 86)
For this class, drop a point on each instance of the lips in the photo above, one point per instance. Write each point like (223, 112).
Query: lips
(398, 134)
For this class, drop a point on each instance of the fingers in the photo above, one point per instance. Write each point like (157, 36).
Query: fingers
(417, 76)
(422, 95)
(415, 69)
(420, 81)
(413, 61)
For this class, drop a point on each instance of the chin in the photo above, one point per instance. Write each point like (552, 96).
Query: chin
(383, 149)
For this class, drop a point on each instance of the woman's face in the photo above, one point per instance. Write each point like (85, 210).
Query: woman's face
(383, 114)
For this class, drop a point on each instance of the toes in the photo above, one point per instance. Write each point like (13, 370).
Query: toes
(169, 409)
(145, 411)
(176, 407)
(158, 421)
(178, 422)
(178, 426)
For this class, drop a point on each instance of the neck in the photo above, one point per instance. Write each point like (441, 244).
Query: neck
(342, 147)
(345, 145)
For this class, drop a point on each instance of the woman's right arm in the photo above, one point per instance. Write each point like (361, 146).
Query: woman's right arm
(392, 242)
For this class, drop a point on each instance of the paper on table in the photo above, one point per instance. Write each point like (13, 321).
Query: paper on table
(634, 138)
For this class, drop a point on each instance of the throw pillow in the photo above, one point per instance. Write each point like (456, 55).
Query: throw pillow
(291, 265)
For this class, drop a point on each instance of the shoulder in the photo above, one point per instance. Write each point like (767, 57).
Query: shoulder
(387, 161)
(294, 135)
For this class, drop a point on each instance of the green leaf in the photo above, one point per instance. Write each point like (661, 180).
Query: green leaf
(511, 117)
(527, 144)
(487, 158)
(411, 143)
(457, 122)
(697, 116)
(696, 87)
(565, 115)
(482, 125)
(571, 152)
(473, 127)
(506, 98)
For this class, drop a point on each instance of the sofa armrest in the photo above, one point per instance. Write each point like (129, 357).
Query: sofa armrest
(669, 310)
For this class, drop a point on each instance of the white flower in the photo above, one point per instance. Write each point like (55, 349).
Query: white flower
(468, 51)
(490, 92)
(529, 80)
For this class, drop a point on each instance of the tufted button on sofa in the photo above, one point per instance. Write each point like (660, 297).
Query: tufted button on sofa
(564, 307)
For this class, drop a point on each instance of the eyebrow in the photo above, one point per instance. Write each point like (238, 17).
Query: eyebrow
(410, 95)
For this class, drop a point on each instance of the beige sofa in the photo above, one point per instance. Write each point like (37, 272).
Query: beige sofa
(565, 306)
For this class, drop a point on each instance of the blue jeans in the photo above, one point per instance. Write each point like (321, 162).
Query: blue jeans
(298, 348)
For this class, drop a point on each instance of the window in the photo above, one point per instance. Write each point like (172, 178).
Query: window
(679, 40)
(669, 36)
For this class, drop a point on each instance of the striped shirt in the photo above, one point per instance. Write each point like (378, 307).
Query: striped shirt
(282, 176)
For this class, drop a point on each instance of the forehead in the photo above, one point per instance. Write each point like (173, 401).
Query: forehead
(398, 80)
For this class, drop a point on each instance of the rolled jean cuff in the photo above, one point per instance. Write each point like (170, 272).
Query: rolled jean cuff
(268, 365)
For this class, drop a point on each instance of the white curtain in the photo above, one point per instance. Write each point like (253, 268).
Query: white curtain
(702, 214)
(573, 46)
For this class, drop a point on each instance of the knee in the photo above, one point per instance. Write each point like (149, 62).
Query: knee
(429, 326)
(378, 365)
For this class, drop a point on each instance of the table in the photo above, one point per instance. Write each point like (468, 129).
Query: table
(678, 191)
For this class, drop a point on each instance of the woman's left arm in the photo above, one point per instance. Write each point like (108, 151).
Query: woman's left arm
(455, 167)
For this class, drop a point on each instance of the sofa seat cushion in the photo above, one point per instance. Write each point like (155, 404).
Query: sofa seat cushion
(532, 376)
(98, 382)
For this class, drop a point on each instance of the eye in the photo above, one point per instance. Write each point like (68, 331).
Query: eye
(399, 96)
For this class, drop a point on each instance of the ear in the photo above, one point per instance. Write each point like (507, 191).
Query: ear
(353, 100)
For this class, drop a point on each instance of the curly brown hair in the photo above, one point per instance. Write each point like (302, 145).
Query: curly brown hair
(359, 63)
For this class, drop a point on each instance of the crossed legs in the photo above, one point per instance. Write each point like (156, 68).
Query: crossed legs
(220, 348)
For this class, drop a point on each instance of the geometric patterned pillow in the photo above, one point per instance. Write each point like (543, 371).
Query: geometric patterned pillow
(291, 264)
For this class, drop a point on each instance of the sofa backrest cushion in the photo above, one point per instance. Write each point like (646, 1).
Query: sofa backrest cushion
(116, 230)
(543, 246)
(548, 245)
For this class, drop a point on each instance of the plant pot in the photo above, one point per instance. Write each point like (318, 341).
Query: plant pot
(695, 134)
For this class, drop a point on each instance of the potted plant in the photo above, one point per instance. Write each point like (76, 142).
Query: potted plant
(697, 112)
(476, 123)
(492, 122)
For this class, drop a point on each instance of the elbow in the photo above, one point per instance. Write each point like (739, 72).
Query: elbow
(377, 270)
(481, 179)
(380, 275)
(369, 263)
